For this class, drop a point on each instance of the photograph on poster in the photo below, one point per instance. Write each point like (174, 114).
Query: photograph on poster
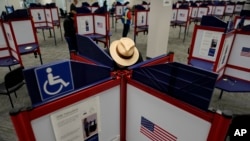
(245, 52)
(209, 43)
(79, 122)
(212, 48)
(90, 127)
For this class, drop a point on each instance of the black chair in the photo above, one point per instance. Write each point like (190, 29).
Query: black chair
(13, 81)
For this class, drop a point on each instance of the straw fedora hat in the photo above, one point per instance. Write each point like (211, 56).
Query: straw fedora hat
(124, 52)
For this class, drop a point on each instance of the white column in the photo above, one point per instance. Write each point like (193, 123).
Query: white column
(159, 24)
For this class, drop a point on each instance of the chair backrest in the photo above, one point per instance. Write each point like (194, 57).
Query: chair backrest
(14, 77)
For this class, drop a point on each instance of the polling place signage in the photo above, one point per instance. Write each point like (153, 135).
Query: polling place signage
(55, 80)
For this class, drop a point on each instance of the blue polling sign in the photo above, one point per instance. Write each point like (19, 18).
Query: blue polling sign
(54, 79)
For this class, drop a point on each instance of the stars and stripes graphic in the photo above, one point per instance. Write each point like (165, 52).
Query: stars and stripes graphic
(154, 132)
(100, 25)
(245, 51)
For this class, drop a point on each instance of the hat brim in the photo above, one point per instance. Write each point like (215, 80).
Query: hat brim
(122, 61)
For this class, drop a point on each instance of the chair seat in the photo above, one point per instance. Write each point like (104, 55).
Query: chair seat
(3, 89)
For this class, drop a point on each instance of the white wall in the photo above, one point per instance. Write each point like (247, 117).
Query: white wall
(15, 3)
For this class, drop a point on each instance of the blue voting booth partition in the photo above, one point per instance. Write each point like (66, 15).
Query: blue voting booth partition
(120, 105)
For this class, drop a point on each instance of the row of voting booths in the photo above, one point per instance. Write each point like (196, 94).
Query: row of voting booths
(119, 10)
(184, 16)
(95, 26)
(223, 51)
(46, 18)
(12, 42)
(157, 96)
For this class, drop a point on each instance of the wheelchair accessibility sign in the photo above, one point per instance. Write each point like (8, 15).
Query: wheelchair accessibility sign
(54, 80)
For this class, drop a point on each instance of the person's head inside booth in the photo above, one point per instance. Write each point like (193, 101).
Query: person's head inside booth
(124, 53)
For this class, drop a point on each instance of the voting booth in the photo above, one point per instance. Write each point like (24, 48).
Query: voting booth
(141, 22)
(238, 19)
(197, 13)
(180, 17)
(19, 44)
(216, 10)
(8, 55)
(46, 18)
(154, 97)
(95, 26)
(217, 50)
(119, 9)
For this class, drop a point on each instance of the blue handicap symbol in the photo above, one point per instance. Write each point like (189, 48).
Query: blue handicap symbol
(54, 80)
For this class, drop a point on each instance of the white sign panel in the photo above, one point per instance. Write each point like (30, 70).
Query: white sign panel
(206, 44)
(105, 104)
(49, 17)
(229, 9)
(3, 42)
(219, 10)
(194, 12)
(78, 122)
(9, 35)
(100, 25)
(202, 11)
(55, 15)
(23, 27)
(238, 8)
(174, 15)
(225, 51)
(141, 18)
(38, 15)
(119, 10)
(85, 24)
(240, 53)
(182, 15)
(164, 118)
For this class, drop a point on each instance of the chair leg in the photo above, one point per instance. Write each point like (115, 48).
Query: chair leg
(15, 94)
(11, 101)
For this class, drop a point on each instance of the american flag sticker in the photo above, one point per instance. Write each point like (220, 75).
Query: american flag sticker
(99, 24)
(245, 51)
(155, 132)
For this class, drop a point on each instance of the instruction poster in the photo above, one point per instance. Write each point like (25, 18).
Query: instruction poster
(210, 43)
(85, 25)
(79, 122)
(141, 18)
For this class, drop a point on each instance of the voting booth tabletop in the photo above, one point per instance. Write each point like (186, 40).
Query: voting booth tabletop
(158, 96)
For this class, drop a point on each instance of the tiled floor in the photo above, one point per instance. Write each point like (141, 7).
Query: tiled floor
(238, 103)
